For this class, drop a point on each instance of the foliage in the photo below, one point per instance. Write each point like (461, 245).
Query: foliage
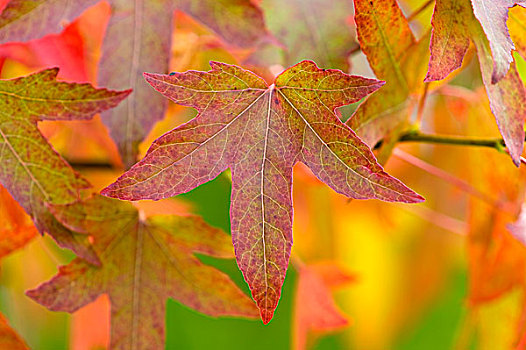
(260, 128)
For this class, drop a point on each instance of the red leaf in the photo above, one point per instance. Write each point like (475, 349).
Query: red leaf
(23, 20)
(507, 98)
(493, 15)
(260, 132)
(144, 262)
(449, 38)
(315, 309)
(138, 39)
(386, 39)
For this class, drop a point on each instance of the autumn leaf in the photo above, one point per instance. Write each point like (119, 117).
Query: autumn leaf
(315, 309)
(493, 15)
(24, 20)
(260, 132)
(388, 42)
(137, 39)
(449, 38)
(452, 31)
(310, 29)
(31, 171)
(144, 262)
(17, 229)
(130, 48)
(8, 337)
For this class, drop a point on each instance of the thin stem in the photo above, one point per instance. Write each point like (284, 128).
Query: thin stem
(413, 136)
(444, 175)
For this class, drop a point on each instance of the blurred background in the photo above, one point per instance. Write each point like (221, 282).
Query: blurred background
(444, 274)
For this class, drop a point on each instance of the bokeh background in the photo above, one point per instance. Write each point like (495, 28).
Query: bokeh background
(445, 274)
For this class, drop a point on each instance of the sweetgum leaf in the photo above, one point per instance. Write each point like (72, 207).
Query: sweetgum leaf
(16, 229)
(311, 29)
(138, 38)
(30, 169)
(385, 38)
(493, 15)
(449, 38)
(507, 97)
(506, 93)
(260, 132)
(144, 262)
(24, 20)
(9, 339)
(315, 308)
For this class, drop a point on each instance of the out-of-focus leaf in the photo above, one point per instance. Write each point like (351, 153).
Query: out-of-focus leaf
(493, 16)
(32, 172)
(449, 38)
(138, 40)
(260, 132)
(9, 340)
(315, 309)
(387, 40)
(507, 97)
(311, 29)
(143, 264)
(16, 227)
(503, 85)
(24, 20)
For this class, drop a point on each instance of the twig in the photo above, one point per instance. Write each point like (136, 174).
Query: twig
(414, 136)
(459, 183)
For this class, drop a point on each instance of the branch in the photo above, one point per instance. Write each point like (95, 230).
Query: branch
(415, 136)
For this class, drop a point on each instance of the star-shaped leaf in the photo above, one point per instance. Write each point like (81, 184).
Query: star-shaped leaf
(30, 169)
(260, 132)
(144, 262)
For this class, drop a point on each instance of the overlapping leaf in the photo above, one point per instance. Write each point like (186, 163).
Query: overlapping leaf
(493, 15)
(137, 39)
(24, 20)
(315, 309)
(388, 42)
(9, 339)
(144, 262)
(454, 25)
(311, 29)
(32, 172)
(260, 132)
(17, 229)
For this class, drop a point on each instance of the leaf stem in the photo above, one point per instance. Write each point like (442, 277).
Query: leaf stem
(415, 136)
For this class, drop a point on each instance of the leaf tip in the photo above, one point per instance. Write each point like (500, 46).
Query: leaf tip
(266, 315)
